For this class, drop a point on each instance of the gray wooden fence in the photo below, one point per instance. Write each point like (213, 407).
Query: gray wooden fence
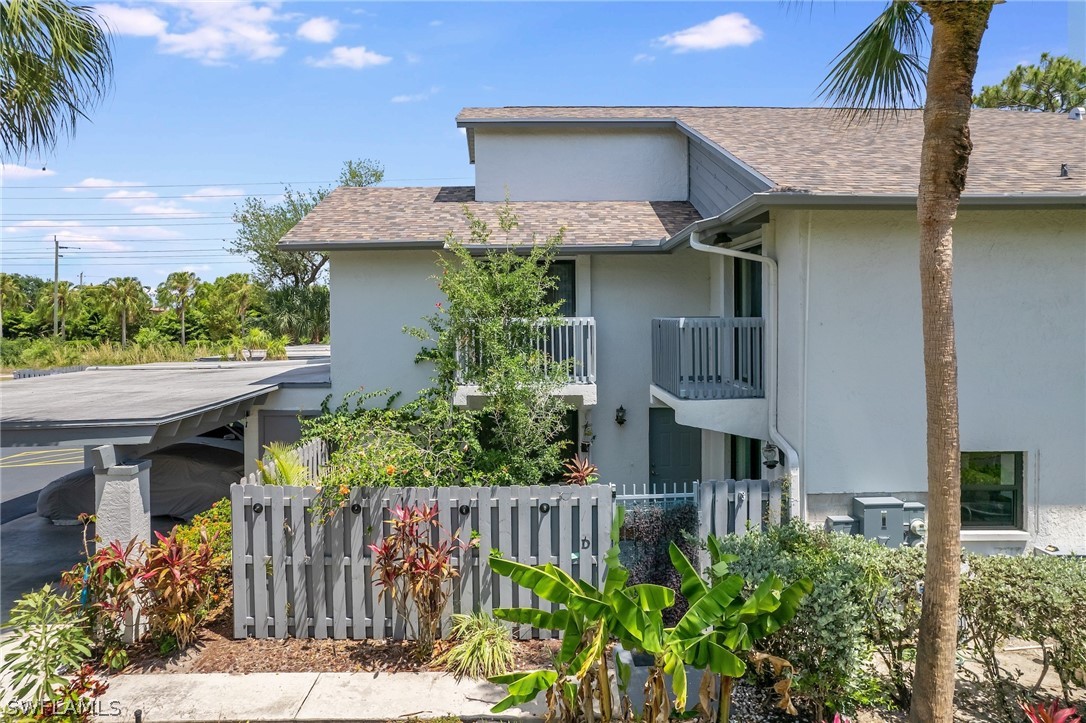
(299, 573)
(313, 454)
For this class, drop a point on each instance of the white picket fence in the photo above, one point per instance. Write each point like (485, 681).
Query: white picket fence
(299, 573)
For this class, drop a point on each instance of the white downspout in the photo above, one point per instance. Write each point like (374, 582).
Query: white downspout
(797, 498)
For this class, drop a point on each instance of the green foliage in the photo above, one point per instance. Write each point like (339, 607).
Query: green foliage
(647, 534)
(215, 525)
(722, 624)
(483, 647)
(302, 313)
(49, 639)
(492, 333)
(589, 618)
(1054, 85)
(829, 643)
(1040, 599)
(261, 225)
(56, 65)
(282, 465)
(174, 587)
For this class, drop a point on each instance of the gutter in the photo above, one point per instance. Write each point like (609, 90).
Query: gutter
(797, 498)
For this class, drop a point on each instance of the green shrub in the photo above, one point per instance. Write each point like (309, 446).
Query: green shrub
(647, 533)
(11, 351)
(830, 641)
(483, 648)
(216, 522)
(49, 641)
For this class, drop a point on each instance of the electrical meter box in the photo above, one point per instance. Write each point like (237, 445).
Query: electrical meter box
(840, 523)
(914, 511)
(880, 518)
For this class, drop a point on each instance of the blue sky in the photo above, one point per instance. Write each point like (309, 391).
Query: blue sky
(217, 100)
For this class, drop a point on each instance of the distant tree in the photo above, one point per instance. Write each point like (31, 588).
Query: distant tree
(55, 65)
(176, 292)
(222, 306)
(1055, 85)
(68, 298)
(11, 297)
(263, 224)
(126, 298)
(301, 313)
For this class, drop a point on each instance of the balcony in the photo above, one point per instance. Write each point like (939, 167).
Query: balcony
(708, 357)
(569, 341)
(710, 370)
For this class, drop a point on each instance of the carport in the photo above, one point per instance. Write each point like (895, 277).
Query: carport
(118, 414)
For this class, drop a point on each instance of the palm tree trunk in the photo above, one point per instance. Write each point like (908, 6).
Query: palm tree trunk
(957, 28)
(124, 328)
(182, 325)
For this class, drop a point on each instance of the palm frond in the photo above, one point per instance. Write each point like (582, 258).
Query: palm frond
(55, 65)
(882, 70)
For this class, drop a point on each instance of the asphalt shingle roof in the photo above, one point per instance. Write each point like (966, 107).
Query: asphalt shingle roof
(426, 214)
(812, 149)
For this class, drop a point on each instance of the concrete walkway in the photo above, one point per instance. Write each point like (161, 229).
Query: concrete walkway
(309, 697)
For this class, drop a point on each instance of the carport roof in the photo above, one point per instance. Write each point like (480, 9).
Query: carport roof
(147, 406)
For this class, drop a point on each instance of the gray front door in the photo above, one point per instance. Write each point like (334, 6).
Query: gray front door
(674, 449)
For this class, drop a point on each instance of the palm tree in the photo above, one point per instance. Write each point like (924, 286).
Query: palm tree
(55, 65)
(11, 295)
(177, 291)
(68, 299)
(881, 69)
(125, 297)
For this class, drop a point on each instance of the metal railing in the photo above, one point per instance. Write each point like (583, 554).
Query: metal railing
(709, 357)
(31, 373)
(569, 340)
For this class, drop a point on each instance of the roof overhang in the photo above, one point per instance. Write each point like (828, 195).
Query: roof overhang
(753, 211)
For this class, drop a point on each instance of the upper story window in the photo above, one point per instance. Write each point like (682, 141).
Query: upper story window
(564, 273)
(992, 484)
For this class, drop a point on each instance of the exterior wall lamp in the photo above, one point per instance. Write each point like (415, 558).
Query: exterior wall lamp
(770, 455)
(620, 415)
(587, 437)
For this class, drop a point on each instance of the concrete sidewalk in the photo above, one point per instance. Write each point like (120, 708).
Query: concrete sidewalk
(309, 697)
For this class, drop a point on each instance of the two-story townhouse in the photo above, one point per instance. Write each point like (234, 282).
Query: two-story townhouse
(741, 286)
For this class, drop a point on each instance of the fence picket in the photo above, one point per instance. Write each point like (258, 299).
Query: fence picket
(504, 497)
(543, 544)
(239, 510)
(260, 563)
(336, 570)
(356, 561)
(318, 602)
(522, 548)
(375, 604)
(299, 609)
(278, 553)
(486, 544)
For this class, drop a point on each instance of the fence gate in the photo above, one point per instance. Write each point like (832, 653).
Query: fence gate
(299, 573)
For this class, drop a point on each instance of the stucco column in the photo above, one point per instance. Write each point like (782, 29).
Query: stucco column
(122, 498)
(122, 503)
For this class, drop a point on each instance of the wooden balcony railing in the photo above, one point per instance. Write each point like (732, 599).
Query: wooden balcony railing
(709, 357)
(569, 340)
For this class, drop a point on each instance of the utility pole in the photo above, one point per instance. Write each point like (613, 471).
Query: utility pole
(56, 286)
(81, 279)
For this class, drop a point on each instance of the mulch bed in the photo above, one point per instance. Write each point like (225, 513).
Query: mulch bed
(216, 651)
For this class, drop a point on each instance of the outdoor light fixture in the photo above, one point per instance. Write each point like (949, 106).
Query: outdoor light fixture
(620, 415)
(770, 455)
(587, 437)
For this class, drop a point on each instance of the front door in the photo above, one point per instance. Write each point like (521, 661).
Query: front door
(674, 449)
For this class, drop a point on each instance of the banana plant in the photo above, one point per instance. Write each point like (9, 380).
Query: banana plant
(721, 628)
(589, 618)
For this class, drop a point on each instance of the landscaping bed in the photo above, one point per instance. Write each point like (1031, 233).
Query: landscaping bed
(216, 651)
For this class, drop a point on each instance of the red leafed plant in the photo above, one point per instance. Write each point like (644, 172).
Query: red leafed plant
(1038, 713)
(175, 586)
(412, 568)
(579, 471)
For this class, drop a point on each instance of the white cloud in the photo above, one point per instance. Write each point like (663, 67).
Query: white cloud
(210, 32)
(13, 173)
(214, 192)
(162, 209)
(436, 23)
(100, 183)
(123, 195)
(197, 269)
(140, 22)
(721, 32)
(319, 30)
(643, 58)
(415, 97)
(345, 57)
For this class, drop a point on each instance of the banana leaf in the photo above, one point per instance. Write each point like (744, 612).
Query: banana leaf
(522, 687)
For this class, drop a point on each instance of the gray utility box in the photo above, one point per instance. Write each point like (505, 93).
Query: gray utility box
(840, 523)
(880, 518)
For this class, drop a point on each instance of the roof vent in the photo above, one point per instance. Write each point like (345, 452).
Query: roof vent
(1076, 113)
(1064, 173)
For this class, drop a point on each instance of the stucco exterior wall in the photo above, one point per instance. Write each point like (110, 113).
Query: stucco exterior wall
(580, 165)
(628, 291)
(375, 294)
(852, 384)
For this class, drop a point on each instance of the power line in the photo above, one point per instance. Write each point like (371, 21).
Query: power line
(135, 199)
(234, 183)
(35, 239)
